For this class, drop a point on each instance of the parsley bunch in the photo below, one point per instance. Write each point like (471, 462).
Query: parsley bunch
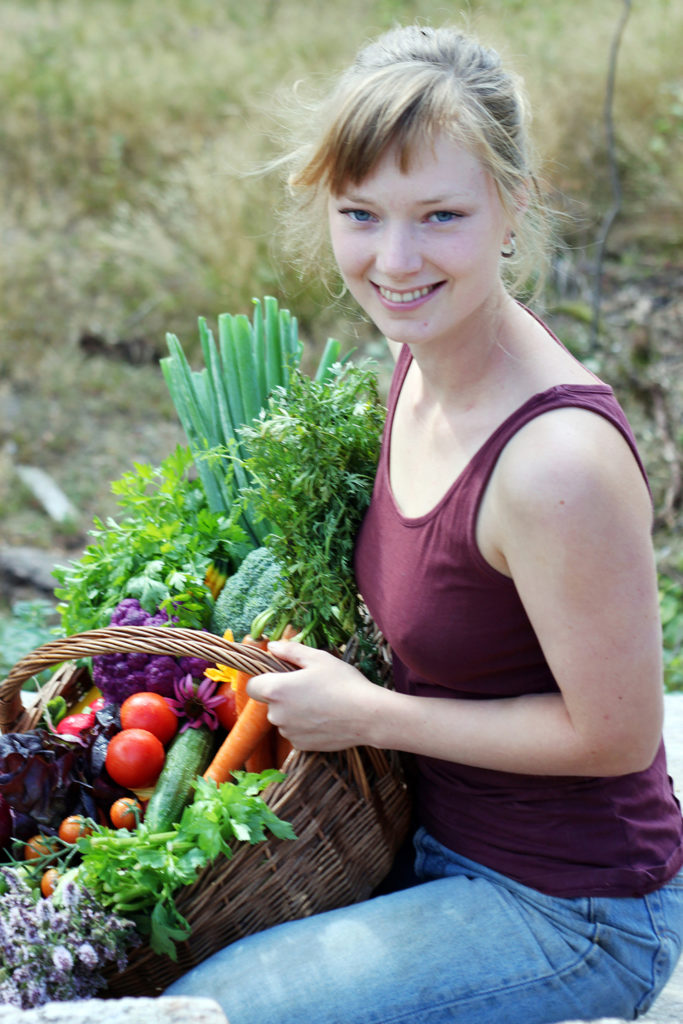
(312, 458)
(158, 550)
(134, 873)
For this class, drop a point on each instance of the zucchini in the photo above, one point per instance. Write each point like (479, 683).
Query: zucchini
(188, 756)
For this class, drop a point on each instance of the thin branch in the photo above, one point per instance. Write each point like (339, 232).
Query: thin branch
(614, 209)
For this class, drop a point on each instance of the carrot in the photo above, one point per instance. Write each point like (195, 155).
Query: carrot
(240, 687)
(242, 678)
(264, 755)
(241, 742)
(283, 748)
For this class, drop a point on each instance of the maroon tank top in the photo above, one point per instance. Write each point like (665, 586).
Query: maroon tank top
(435, 598)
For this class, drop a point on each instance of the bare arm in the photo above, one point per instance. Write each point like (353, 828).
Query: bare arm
(567, 515)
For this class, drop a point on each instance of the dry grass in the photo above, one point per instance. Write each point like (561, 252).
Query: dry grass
(126, 126)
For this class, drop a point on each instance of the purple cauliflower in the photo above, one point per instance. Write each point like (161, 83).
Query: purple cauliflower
(120, 675)
(130, 612)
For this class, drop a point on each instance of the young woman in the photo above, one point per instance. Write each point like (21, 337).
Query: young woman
(507, 558)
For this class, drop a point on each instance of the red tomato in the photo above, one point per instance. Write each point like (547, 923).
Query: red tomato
(48, 882)
(40, 846)
(226, 711)
(73, 827)
(126, 812)
(152, 712)
(135, 758)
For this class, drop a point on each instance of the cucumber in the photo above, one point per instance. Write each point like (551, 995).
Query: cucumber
(188, 756)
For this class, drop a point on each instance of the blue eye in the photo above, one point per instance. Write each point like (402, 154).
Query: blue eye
(443, 216)
(359, 216)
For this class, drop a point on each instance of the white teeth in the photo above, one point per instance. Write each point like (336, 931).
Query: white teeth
(405, 296)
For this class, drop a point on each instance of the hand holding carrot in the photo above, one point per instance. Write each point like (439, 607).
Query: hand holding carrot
(325, 705)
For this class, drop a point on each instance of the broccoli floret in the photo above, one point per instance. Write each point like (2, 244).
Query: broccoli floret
(250, 591)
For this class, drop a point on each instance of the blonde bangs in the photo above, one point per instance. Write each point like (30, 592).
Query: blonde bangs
(386, 112)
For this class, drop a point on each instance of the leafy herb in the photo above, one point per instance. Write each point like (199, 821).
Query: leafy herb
(54, 950)
(136, 872)
(157, 551)
(312, 458)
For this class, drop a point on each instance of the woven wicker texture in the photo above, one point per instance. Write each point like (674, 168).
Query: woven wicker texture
(350, 812)
(147, 639)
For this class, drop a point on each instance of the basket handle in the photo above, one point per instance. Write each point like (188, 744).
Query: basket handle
(124, 639)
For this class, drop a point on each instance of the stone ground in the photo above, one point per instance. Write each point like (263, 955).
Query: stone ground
(165, 1010)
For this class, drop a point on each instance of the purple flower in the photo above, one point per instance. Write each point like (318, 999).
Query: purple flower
(62, 959)
(40, 963)
(195, 703)
(71, 895)
(87, 954)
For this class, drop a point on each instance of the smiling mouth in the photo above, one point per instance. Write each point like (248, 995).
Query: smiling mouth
(411, 296)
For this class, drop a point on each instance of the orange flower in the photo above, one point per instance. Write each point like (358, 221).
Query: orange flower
(223, 673)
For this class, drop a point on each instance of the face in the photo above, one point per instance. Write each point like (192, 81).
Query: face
(420, 250)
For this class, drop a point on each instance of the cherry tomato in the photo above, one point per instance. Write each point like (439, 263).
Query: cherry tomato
(48, 882)
(135, 758)
(126, 813)
(73, 827)
(149, 711)
(39, 846)
(226, 711)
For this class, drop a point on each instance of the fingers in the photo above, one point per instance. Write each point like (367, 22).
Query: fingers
(294, 652)
(259, 687)
(262, 686)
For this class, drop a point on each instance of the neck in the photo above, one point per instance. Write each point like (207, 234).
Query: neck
(477, 360)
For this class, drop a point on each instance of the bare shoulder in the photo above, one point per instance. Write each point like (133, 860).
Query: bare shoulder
(568, 483)
(571, 459)
(568, 517)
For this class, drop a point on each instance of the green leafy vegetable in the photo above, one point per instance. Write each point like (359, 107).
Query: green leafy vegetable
(312, 456)
(157, 551)
(138, 872)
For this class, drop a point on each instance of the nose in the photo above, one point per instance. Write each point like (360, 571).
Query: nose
(398, 251)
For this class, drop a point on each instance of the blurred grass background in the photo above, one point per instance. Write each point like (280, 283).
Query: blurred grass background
(125, 127)
(125, 123)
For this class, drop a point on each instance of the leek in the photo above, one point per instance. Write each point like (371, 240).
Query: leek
(241, 370)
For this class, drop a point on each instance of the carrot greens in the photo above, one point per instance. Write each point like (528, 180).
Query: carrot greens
(312, 457)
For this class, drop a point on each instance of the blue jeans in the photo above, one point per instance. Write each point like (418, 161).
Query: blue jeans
(465, 945)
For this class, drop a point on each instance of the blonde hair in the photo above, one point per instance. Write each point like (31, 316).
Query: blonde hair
(404, 89)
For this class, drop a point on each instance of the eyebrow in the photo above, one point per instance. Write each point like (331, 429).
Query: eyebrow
(448, 200)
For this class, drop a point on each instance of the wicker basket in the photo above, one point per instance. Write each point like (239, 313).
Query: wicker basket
(350, 812)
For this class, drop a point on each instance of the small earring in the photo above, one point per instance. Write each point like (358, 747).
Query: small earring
(509, 251)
